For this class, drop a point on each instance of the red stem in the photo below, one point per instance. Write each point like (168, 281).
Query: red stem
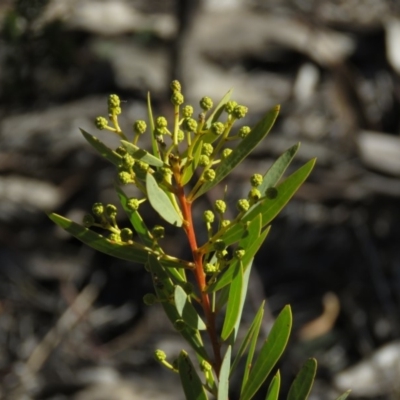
(200, 277)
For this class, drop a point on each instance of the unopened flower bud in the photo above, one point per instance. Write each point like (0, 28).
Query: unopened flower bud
(206, 103)
(239, 253)
(161, 122)
(221, 255)
(256, 180)
(111, 210)
(101, 123)
(127, 161)
(179, 325)
(125, 177)
(208, 216)
(220, 206)
(244, 131)
(133, 204)
(181, 135)
(230, 106)
(254, 195)
(158, 232)
(243, 205)
(207, 149)
(160, 355)
(187, 111)
(209, 175)
(205, 366)
(98, 209)
(175, 86)
(271, 193)
(240, 112)
(210, 268)
(217, 128)
(88, 220)
(204, 160)
(190, 124)
(149, 299)
(177, 98)
(140, 127)
(226, 153)
(126, 234)
(225, 223)
(114, 237)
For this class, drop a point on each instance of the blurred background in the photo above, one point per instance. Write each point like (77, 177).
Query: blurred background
(72, 321)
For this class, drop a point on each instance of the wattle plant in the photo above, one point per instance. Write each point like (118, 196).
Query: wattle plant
(203, 297)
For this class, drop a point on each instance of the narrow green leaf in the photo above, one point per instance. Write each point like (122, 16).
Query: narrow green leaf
(246, 278)
(191, 382)
(235, 299)
(186, 310)
(251, 333)
(101, 148)
(344, 396)
(135, 219)
(243, 149)
(130, 252)
(269, 354)
(160, 201)
(250, 354)
(165, 289)
(278, 168)
(223, 388)
(274, 386)
(154, 143)
(218, 109)
(270, 208)
(142, 155)
(301, 386)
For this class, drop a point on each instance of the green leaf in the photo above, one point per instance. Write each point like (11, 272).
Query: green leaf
(130, 252)
(154, 143)
(270, 353)
(102, 149)
(135, 219)
(251, 334)
(301, 386)
(244, 148)
(235, 300)
(160, 201)
(139, 154)
(165, 289)
(246, 277)
(278, 168)
(191, 165)
(223, 388)
(274, 386)
(344, 395)
(186, 310)
(270, 208)
(191, 382)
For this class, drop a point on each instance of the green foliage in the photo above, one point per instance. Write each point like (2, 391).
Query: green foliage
(187, 159)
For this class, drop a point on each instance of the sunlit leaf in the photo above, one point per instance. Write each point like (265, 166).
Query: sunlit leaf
(191, 382)
(160, 201)
(142, 155)
(243, 149)
(344, 396)
(269, 354)
(235, 299)
(274, 386)
(278, 168)
(252, 332)
(98, 242)
(102, 149)
(223, 389)
(186, 310)
(301, 386)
